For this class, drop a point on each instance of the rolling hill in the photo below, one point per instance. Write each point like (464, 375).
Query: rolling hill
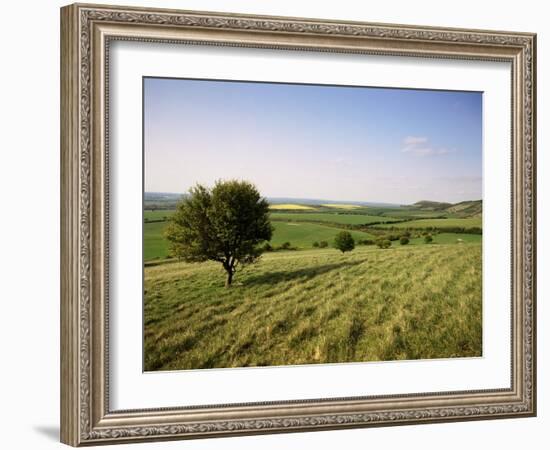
(466, 209)
(428, 205)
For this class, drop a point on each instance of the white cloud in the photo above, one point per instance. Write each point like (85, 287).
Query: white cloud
(415, 140)
(419, 146)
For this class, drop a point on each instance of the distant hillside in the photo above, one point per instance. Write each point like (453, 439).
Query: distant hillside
(427, 205)
(320, 202)
(161, 200)
(168, 200)
(472, 208)
(466, 209)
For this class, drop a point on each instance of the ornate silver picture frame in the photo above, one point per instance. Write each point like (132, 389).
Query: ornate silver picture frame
(87, 32)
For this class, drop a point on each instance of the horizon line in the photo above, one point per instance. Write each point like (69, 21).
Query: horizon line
(332, 200)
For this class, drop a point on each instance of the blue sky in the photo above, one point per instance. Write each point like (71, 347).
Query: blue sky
(311, 141)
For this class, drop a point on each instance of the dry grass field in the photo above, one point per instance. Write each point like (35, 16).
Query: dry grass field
(316, 306)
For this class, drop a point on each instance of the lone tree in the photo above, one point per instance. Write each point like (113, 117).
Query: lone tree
(226, 223)
(344, 241)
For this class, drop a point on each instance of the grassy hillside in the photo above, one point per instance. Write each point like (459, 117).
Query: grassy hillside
(429, 205)
(466, 209)
(316, 306)
(424, 223)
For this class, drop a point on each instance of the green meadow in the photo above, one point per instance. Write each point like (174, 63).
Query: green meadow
(316, 306)
(157, 215)
(299, 235)
(302, 235)
(155, 246)
(302, 229)
(307, 305)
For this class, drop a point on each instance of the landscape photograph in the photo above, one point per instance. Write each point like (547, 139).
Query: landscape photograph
(292, 224)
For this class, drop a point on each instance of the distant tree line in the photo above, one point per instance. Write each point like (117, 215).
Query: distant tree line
(374, 227)
(164, 206)
(158, 219)
(445, 229)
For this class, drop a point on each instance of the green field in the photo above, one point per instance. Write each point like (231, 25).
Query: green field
(301, 230)
(441, 223)
(349, 219)
(159, 214)
(154, 244)
(316, 306)
(302, 235)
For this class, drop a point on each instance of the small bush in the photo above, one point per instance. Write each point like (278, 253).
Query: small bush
(284, 246)
(383, 243)
(323, 244)
(404, 240)
(428, 238)
(365, 242)
(267, 247)
(316, 244)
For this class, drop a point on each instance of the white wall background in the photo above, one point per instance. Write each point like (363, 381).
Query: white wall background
(29, 225)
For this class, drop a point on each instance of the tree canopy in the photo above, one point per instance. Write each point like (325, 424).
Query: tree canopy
(226, 223)
(344, 241)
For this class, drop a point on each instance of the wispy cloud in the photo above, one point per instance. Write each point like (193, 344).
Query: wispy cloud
(420, 146)
(415, 140)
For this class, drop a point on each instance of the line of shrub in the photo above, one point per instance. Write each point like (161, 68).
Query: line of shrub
(321, 244)
(267, 247)
(463, 230)
(146, 220)
(345, 226)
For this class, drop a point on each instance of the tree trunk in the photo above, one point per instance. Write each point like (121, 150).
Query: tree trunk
(229, 278)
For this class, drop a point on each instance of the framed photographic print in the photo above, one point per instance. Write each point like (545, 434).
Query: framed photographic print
(277, 224)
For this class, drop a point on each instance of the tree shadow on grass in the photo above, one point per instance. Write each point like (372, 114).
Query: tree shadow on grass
(303, 274)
